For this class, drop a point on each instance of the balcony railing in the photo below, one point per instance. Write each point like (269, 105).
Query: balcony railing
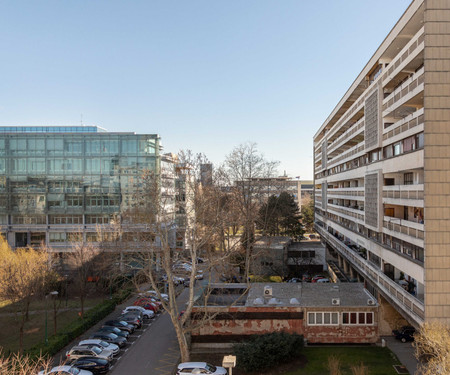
(408, 303)
(406, 88)
(403, 191)
(346, 192)
(349, 211)
(410, 228)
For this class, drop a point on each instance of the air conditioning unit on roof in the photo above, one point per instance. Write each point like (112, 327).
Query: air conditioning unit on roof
(370, 302)
(335, 301)
(267, 291)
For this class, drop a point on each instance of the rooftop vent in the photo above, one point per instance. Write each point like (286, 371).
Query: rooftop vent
(258, 301)
(273, 301)
(294, 301)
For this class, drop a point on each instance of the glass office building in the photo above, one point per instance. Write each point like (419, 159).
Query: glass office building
(59, 183)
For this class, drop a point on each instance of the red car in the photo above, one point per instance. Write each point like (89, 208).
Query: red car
(146, 304)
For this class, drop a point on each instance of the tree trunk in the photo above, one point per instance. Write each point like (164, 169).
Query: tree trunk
(22, 323)
(182, 342)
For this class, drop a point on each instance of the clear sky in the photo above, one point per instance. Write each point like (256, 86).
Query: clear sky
(206, 75)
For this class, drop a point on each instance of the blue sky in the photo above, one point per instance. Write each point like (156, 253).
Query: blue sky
(205, 75)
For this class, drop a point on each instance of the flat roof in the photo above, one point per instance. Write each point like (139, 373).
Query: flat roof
(309, 295)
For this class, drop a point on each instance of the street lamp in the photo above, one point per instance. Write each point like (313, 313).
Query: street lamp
(54, 293)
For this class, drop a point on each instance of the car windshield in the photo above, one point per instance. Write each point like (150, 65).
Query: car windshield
(74, 370)
(210, 367)
(104, 344)
(96, 349)
(124, 323)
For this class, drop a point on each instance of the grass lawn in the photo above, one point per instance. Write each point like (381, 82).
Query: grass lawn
(378, 360)
(34, 331)
(314, 361)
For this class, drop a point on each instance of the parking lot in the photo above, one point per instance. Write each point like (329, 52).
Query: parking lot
(142, 353)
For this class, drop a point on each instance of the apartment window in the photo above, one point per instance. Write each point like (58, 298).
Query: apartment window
(408, 178)
(409, 144)
(419, 140)
(397, 148)
(57, 219)
(357, 318)
(57, 237)
(388, 152)
(323, 318)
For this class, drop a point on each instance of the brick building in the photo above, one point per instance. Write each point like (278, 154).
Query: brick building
(323, 313)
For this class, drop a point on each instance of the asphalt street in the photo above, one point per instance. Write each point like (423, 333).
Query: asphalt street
(155, 350)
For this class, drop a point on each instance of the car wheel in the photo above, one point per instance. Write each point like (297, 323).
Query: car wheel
(403, 339)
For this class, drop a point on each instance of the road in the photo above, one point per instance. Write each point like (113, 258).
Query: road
(155, 351)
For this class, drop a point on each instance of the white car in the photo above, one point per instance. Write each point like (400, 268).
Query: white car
(147, 314)
(101, 344)
(189, 368)
(154, 293)
(65, 370)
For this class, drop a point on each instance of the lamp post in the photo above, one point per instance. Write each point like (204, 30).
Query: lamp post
(54, 293)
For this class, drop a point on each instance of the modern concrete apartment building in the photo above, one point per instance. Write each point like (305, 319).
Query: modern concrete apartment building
(382, 168)
(58, 183)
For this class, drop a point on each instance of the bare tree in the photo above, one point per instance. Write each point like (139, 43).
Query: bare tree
(84, 259)
(246, 173)
(22, 278)
(170, 205)
(432, 348)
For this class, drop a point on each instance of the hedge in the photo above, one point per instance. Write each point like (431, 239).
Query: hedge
(264, 351)
(79, 326)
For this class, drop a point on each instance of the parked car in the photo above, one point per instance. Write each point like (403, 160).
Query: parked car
(88, 351)
(101, 344)
(404, 334)
(115, 330)
(109, 337)
(147, 304)
(124, 326)
(322, 280)
(294, 280)
(131, 319)
(154, 293)
(317, 277)
(65, 370)
(306, 277)
(189, 368)
(147, 314)
(92, 364)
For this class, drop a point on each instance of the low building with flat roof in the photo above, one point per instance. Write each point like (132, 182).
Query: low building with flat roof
(323, 313)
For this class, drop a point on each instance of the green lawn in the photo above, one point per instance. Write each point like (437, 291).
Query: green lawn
(34, 331)
(378, 360)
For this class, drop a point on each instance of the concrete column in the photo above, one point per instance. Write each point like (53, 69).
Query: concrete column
(352, 273)
(340, 260)
(346, 265)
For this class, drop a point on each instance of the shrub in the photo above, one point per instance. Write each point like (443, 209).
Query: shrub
(264, 351)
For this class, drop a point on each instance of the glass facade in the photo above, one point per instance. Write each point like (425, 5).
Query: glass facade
(68, 180)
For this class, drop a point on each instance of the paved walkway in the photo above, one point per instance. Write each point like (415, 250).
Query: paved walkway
(404, 352)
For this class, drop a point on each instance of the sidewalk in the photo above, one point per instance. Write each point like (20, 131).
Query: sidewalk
(404, 352)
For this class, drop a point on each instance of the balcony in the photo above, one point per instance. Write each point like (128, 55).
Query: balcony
(407, 227)
(346, 193)
(404, 301)
(402, 192)
(410, 88)
(350, 212)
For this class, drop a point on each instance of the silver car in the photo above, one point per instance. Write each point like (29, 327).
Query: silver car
(101, 344)
(88, 351)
